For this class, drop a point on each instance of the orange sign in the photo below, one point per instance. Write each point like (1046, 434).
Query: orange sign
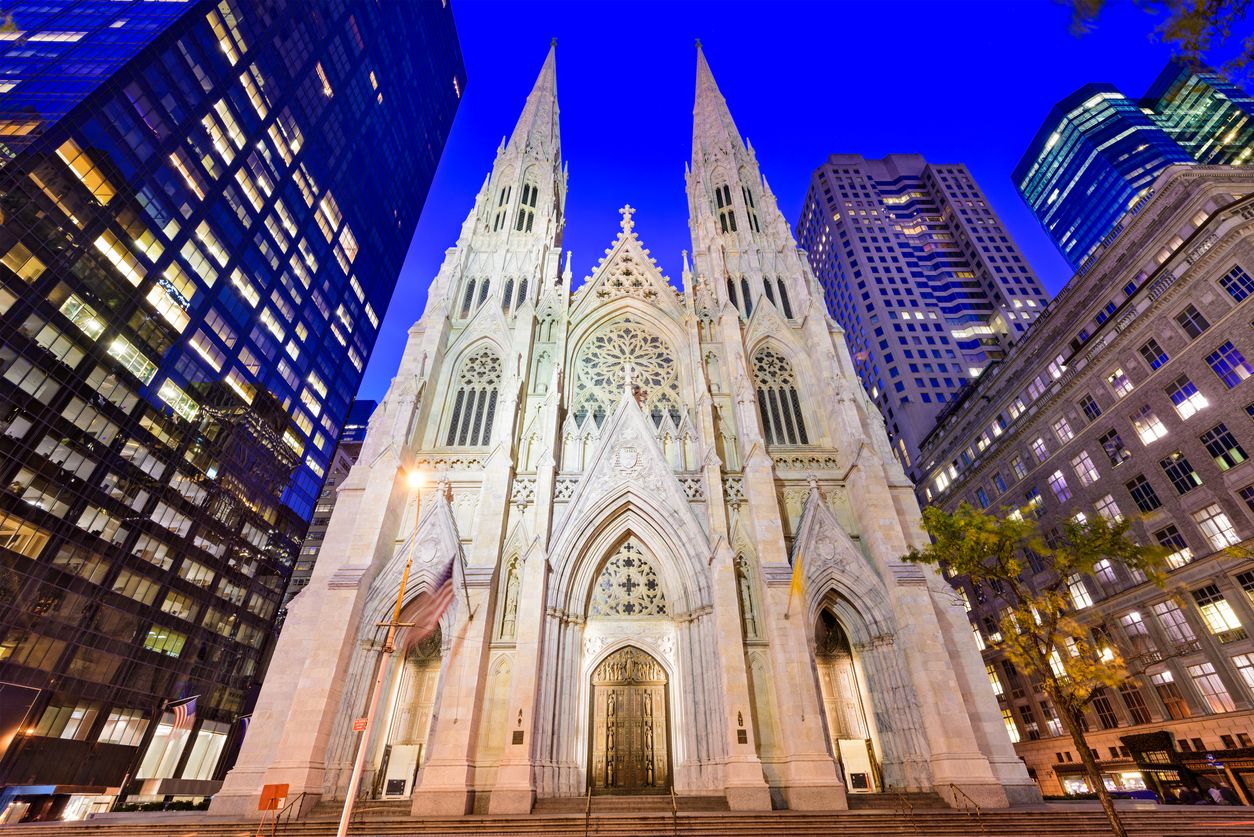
(271, 797)
(359, 725)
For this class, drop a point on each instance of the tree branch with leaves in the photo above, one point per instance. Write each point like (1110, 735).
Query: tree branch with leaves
(1040, 633)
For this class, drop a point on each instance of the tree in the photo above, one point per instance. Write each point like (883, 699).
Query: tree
(1198, 32)
(1039, 633)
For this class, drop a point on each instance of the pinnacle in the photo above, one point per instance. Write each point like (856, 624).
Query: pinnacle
(538, 124)
(712, 121)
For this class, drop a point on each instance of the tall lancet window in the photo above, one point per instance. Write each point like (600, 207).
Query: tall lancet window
(778, 402)
(726, 214)
(513, 296)
(527, 208)
(750, 209)
(784, 304)
(474, 406)
(502, 208)
(468, 298)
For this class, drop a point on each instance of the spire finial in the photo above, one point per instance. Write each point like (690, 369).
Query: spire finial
(553, 42)
(627, 211)
(698, 43)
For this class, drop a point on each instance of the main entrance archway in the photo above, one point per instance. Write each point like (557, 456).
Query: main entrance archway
(630, 746)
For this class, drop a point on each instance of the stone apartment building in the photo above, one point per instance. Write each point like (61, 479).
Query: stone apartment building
(1129, 397)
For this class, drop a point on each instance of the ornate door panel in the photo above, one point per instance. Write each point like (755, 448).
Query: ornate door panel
(630, 741)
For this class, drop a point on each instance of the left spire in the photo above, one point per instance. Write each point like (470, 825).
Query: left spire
(537, 129)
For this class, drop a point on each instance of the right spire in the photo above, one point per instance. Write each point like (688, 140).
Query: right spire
(713, 130)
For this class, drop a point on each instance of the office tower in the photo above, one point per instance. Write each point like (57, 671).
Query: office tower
(199, 237)
(1133, 399)
(923, 277)
(1098, 153)
(346, 452)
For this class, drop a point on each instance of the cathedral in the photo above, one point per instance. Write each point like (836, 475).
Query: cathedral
(625, 476)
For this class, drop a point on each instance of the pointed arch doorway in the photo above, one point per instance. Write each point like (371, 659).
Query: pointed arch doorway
(630, 741)
(844, 703)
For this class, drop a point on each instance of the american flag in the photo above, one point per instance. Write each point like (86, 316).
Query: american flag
(184, 714)
(432, 606)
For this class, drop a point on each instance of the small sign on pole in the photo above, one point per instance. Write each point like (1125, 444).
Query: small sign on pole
(271, 797)
(359, 725)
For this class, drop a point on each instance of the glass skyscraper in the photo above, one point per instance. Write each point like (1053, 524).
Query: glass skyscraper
(922, 275)
(1098, 153)
(205, 207)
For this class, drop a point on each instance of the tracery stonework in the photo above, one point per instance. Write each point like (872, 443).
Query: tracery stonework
(622, 486)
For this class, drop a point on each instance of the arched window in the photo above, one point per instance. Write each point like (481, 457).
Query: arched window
(507, 295)
(502, 207)
(474, 406)
(778, 403)
(726, 213)
(483, 293)
(731, 292)
(744, 290)
(766, 286)
(615, 351)
(527, 208)
(750, 209)
(522, 292)
(783, 297)
(468, 298)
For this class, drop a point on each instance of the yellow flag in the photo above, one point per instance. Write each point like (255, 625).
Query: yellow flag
(798, 585)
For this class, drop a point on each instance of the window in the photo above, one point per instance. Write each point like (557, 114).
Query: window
(1113, 445)
(1185, 396)
(1216, 527)
(125, 727)
(165, 641)
(1134, 702)
(1106, 716)
(1008, 719)
(1165, 684)
(1058, 483)
(1153, 354)
(1245, 668)
(474, 406)
(1020, 469)
(999, 482)
(1147, 425)
(1170, 538)
(1211, 688)
(1080, 597)
(778, 402)
(1108, 509)
(1177, 468)
(1133, 625)
(1039, 450)
(1218, 614)
(1033, 503)
(1119, 382)
(1104, 571)
(1192, 321)
(527, 208)
(1223, 446)
(1175, 624)
(72, 723)
(1229, 364)
(1063, 430)
(1143, 493)
(1237, 283)
(994, 680)
(981, 497)
(1089, 407)
(726, 214)
(1084, 468)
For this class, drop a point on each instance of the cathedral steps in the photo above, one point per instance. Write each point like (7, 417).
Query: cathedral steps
(1046, 821)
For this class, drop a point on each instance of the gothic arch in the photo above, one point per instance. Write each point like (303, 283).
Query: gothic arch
(472, 345)
(781, 408)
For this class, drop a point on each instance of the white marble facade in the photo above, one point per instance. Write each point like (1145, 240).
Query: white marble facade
(625, 474)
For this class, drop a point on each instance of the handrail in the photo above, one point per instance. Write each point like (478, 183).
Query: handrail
(286, 813)
(674, 814)
(904, 808)
(587, 811)
(978, 818)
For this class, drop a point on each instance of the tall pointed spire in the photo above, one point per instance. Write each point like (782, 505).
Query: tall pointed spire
(537, 126)
(712, 124)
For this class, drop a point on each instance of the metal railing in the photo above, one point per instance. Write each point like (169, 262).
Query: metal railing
(903, 807)
(975, 806)
(587, 812)
(284, 815)
(674, 814)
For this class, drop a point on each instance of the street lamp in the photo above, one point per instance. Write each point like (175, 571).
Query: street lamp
(415, 479)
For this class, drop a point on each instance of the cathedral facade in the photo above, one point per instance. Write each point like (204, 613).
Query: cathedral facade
(625, 476)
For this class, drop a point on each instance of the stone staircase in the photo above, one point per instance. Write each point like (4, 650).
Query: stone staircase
(1062, 820)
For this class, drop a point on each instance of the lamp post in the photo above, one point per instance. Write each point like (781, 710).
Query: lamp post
(415, 480)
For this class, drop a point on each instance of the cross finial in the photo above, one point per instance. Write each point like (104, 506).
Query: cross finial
(698, 43)
(627, 211)
(553, 42)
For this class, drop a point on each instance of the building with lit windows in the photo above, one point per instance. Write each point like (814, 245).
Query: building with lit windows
(205, 207)
(1097, 154)
(346, 453)
(1131, 397)
(923, 277)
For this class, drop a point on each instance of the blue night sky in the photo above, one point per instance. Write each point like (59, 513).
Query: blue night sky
(957, 82)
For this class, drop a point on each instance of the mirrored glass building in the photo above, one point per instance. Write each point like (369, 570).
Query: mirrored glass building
(204, 208)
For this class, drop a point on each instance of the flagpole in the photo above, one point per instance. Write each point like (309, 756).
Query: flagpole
(415, 480)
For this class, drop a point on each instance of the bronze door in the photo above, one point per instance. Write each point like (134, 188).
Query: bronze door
(630, 744)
